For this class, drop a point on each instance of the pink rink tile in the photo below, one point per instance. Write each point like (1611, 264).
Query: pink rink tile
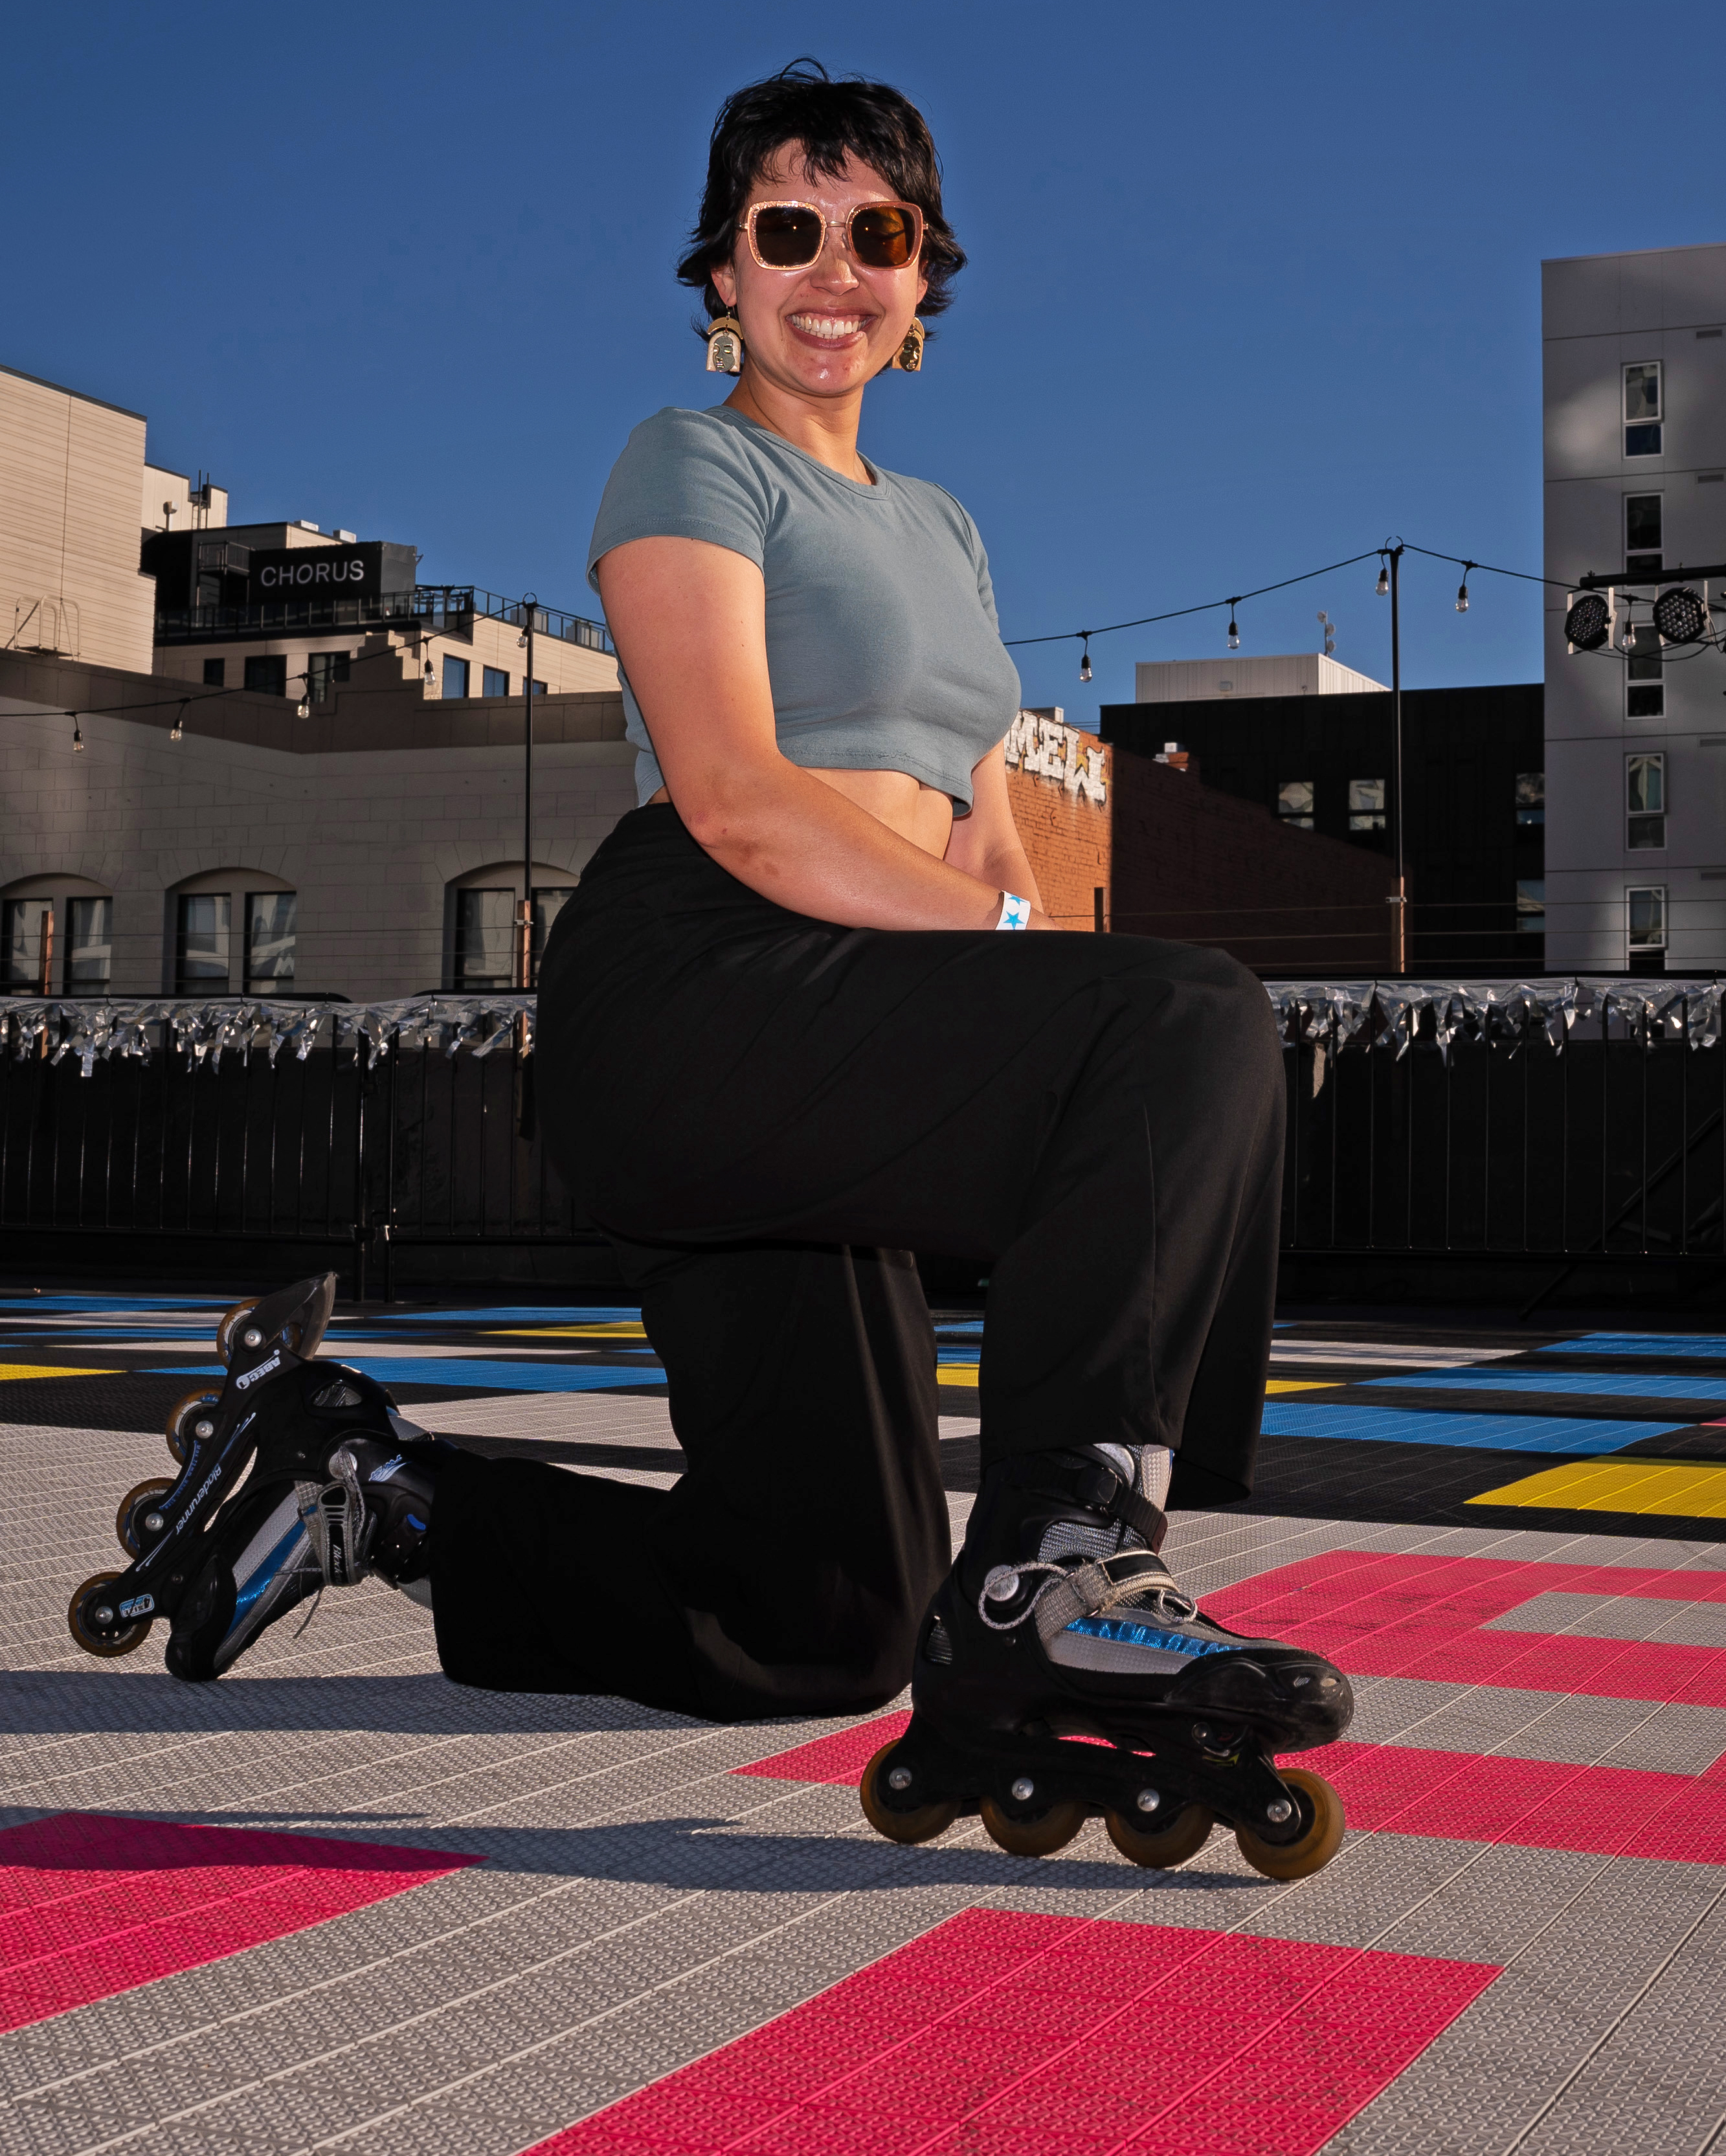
(92, 1905)
(1421, 1617)
(1005, 2035)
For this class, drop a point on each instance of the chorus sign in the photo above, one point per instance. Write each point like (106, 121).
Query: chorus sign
(1049, 750)
(316, 572)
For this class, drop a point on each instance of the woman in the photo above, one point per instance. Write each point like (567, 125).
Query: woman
(783, 1043)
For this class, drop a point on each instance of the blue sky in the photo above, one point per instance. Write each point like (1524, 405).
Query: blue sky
(1250, 287)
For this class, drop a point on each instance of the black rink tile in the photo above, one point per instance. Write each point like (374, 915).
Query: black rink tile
(1316, 1478)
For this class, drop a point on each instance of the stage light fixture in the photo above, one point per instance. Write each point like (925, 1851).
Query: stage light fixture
(1682, 616)
(1587, 624)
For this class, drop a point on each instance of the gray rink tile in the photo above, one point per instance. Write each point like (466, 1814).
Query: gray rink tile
(1619, 1617)
(640, 1905)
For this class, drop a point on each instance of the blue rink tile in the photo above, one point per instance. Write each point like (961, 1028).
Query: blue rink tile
(1678, 1347)
(534, 1377)
(527, 1313)
(1482, 1432)
(1638, 1384)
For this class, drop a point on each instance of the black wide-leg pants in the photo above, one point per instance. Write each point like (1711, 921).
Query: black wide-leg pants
(768, 1113)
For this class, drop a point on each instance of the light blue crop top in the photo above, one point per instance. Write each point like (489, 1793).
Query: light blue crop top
(882, 644)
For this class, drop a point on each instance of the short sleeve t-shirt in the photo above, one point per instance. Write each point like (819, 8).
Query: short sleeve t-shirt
(882, 645)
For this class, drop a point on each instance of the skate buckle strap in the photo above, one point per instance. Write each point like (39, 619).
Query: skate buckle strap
(1104, 1491)
(1090, 1590)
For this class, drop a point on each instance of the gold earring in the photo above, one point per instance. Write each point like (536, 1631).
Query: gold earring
(725, 345)
(909, 358)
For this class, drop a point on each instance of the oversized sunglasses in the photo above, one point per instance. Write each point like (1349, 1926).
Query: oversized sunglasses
(791, 235)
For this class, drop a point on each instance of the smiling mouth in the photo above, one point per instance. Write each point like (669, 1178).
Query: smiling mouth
(828, 329)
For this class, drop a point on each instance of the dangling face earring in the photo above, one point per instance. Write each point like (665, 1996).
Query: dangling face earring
(909, 358)
(725, 345)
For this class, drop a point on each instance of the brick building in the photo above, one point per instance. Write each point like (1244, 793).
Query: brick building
(1132, 843)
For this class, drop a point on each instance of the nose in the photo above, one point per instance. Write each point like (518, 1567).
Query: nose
(834, 271)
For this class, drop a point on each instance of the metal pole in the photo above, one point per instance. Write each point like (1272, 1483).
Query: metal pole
(1402, 885)
(524, 967)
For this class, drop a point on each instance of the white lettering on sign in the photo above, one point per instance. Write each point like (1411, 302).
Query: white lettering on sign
(1045, 748)
(273, 578)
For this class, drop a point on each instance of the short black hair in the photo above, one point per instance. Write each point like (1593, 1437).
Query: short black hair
(871, 121)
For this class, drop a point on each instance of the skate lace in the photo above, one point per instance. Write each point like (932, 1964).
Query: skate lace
(1092, 1588)
(314, 1516)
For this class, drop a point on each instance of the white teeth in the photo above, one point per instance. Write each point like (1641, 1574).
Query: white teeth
(834, 327)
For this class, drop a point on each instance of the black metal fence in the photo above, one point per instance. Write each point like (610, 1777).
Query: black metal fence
(368, 1157)
(1600, 1134)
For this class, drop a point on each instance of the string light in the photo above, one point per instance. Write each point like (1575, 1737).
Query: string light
(77, 737)
(1234, 633)
(1462, 589)
(1383, 587)
(177, 731)
(1085, 656)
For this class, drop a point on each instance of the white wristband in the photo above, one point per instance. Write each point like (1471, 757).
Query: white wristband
(1015, 911)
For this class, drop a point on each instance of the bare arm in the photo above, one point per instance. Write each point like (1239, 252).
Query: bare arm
(986, 844)
(689, 620)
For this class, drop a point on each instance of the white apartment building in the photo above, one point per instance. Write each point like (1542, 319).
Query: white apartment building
(1271, 674)
(1634, 348)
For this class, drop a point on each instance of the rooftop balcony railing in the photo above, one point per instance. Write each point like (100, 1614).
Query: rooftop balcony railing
(450, 607)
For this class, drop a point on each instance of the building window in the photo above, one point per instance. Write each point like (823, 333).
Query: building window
(21, 927)
(1642, 534)
(215, 673)
(1531, 905)
(1642, 413)
(539, 687)
(547, 905)
(1645, 681)
(455, 675)
(496, 681)
(90, 944)
(201, 942)
(485, 940)
(323, 669)
(1644, 800)
(270, 917)
(268, 674)
(1645, 918)
(1530, 797)
(1366, 804)
(1294, 803)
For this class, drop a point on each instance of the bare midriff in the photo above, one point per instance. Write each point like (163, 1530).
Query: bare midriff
(921, 813)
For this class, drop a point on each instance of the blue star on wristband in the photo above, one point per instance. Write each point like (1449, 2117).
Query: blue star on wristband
(1015, 911)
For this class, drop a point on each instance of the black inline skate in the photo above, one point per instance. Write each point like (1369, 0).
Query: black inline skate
(340, 1486)
(1060, 1622)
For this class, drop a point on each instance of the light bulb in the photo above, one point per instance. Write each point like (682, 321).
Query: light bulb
(77, 739)
(1234, 635)
(178, 727)
(1383, 585)
(302, 709)
(1462, 597)
(1085, 663)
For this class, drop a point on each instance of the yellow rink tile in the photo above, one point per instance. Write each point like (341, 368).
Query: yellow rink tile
(51, 1370)
(965, 1373)
(1671, 1486)
(623, 1329)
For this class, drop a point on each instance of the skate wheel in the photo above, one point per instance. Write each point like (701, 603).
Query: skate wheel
(916, 1823)
(198, 1406)
(132, 1507)
(1040, 1835)
(1185, 1836)
(106, 1644)
(1317, 1846)
(230, 1325)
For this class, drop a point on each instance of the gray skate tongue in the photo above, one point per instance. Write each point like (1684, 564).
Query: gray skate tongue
(1144, 1468)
